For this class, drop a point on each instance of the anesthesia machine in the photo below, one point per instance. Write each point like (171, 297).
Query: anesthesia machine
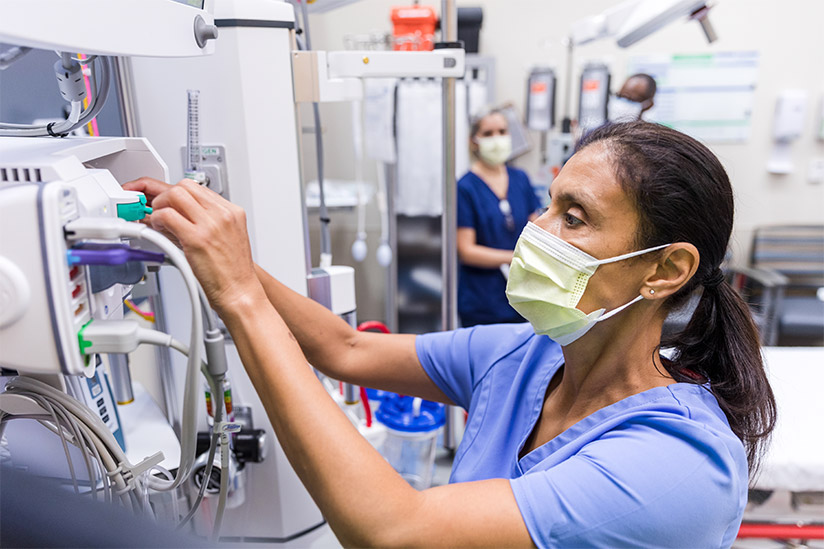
(208, 90)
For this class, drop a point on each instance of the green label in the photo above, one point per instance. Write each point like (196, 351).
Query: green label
(693, 59)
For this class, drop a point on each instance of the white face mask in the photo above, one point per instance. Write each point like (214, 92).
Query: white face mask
(620, 109)
(547, 278)
(494, 150)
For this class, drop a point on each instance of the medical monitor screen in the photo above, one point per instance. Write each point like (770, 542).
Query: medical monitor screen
(194, 3)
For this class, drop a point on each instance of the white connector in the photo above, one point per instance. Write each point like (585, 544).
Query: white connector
(118, 336)
(102, 228)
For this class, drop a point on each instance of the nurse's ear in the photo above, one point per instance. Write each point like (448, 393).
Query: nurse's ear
(473, 145)
(675, 267)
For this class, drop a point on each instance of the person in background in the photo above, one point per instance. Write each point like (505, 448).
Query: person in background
(633, 100)
(495, 201)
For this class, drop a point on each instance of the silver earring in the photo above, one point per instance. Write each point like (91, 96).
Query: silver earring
(651, 291)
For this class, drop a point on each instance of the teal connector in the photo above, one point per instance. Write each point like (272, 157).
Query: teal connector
(134, 211)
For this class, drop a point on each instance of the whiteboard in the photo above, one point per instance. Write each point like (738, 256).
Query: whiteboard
(709, 96)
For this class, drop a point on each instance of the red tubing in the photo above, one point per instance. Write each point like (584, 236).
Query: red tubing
(781, 531)
(366, 406)
(373, 325)
(363, 327)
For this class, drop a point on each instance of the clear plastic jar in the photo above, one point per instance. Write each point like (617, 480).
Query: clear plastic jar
(412, 432)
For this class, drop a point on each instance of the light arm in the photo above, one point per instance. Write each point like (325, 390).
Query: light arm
(381, 361)
(473, 254)
(365, 501)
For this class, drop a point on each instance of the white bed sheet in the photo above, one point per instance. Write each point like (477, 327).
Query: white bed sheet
(795, 459)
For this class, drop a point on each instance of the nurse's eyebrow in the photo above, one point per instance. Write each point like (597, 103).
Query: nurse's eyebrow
(572, 198)
(583, 200)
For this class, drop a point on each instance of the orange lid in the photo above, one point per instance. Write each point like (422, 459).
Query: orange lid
(414, 14)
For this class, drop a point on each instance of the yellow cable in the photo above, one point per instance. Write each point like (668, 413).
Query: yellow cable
(138, 312)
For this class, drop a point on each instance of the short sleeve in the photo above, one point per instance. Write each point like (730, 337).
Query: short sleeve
(457, 360)
(467, 216)
(648, 483)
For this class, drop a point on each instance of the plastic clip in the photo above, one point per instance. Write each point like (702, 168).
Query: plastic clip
(131, 472)
(51, 132)
(228, 427)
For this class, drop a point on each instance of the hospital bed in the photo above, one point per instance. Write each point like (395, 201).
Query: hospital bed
(794, 462)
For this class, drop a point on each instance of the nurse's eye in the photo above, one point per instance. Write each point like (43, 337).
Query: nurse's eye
(572, 221)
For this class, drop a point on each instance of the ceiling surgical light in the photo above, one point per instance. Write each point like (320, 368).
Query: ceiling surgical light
(634, 20)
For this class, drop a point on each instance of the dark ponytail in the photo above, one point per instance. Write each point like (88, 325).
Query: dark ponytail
(683, 194)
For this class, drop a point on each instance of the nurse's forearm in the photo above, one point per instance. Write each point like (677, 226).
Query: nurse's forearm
(388, 362)
(476, 255)
(322, 335)
(343, 473)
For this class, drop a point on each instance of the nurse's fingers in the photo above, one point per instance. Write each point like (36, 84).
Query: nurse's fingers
(179, 197)
(170, 221)
(205, 196)
(148, 186)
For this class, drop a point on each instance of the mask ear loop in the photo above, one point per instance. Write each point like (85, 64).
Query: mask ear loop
(620, 258)
(619, 309)
(626, 256)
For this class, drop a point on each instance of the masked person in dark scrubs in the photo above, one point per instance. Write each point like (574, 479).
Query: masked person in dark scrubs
(495, 202)
(633, 100)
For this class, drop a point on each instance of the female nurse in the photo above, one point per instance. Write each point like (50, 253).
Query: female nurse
(495, 202)
(580, 432)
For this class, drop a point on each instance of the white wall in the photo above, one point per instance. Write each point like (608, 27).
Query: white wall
(522, 33)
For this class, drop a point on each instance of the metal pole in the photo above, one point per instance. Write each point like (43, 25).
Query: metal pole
(392, 270)
(128, 120)
(121, 378)
(449, 255)
(544, 153)
(566, 124)
(125, 96)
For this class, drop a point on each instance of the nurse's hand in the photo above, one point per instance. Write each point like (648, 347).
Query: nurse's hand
(152, 188)
(212, 233)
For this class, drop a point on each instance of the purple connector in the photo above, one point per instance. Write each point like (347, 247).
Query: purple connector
(92, 253)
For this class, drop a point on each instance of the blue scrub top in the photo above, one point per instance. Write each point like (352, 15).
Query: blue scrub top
(481, 292)
(658, 469)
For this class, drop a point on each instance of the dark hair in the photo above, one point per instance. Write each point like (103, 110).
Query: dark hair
(683, 194)
(649, 81)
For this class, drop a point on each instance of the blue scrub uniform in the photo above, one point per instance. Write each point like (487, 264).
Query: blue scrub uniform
(658, 469)
(481, 292)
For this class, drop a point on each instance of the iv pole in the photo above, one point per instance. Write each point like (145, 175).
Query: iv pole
(449, 260)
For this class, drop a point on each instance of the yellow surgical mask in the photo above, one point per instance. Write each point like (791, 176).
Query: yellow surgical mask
(495, 150)
(547, 278)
